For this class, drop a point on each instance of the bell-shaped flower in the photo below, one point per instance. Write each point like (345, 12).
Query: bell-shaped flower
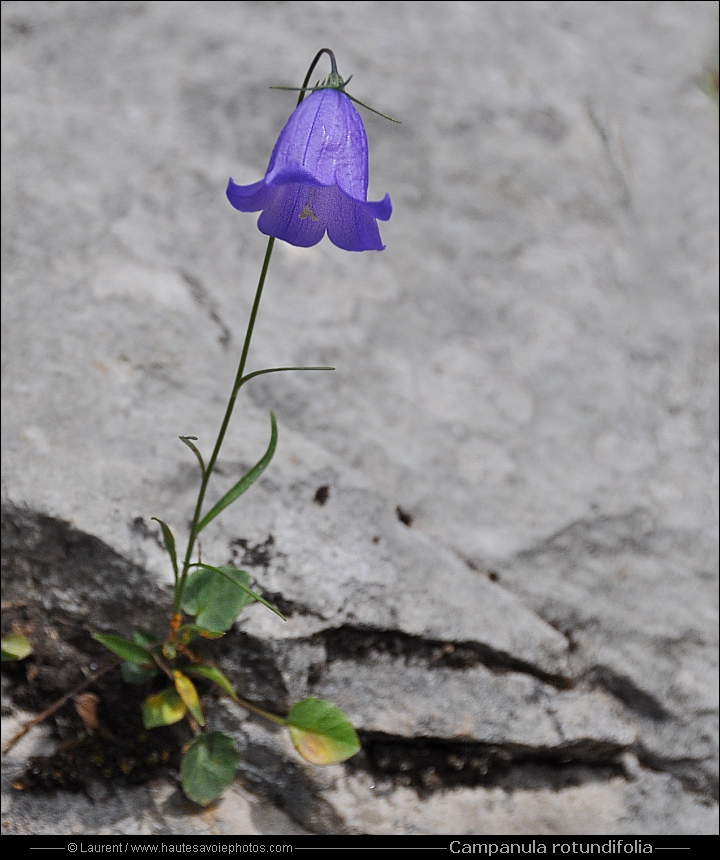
(317, 179)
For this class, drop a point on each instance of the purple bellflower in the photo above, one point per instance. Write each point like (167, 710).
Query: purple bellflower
(317, 179)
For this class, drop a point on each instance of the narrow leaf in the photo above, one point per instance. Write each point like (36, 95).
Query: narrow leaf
(15, 647)
(169, 544)
(230, 573)
(187, 692)
(367, 107)
(130, 651)
(279, 370)
(246, 481)
(208, 767)
(342, 89)
(189, 441)
(212, 673)
(163, 709)
(321, 732)
(136, 673)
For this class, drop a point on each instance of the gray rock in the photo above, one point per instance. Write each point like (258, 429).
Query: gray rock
(511, 586)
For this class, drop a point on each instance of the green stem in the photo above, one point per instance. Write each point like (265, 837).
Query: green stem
(240, 380)
(192, 538)
(261, 712)
(333, 70)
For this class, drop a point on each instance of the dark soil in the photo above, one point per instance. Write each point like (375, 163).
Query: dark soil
(100, 734)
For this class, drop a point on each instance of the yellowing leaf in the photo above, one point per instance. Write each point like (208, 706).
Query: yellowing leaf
(163, 709)
(313, 748)
(321, 733)
(15, 647)
(187, 692)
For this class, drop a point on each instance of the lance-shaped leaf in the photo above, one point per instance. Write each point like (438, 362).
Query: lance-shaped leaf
(208, 767)
(15, 647)
(212, 673)
(130, 651)
(187, 692)
(140, 673)
(190, 442)
(169, 541)
(255, 373)
(163, 709)
(321, 732)
(246, 481)
(215, 596)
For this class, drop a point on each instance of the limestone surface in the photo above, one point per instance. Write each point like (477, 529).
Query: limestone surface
(509, 580)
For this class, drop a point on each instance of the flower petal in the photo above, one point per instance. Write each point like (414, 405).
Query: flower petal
(351, 223)
(351, 168)
(381, 209)
(317, 179)
(296, 213)
(248, 198)
(324, 136)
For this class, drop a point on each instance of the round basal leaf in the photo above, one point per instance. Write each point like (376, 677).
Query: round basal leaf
(130, 651)
(15, 647)
(208, 767)
(321, 732)
(214, 599)
(188, 632)
(187, 692)
(164, 709)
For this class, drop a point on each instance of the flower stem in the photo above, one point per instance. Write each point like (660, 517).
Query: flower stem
(239, 381)
(333, 71)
